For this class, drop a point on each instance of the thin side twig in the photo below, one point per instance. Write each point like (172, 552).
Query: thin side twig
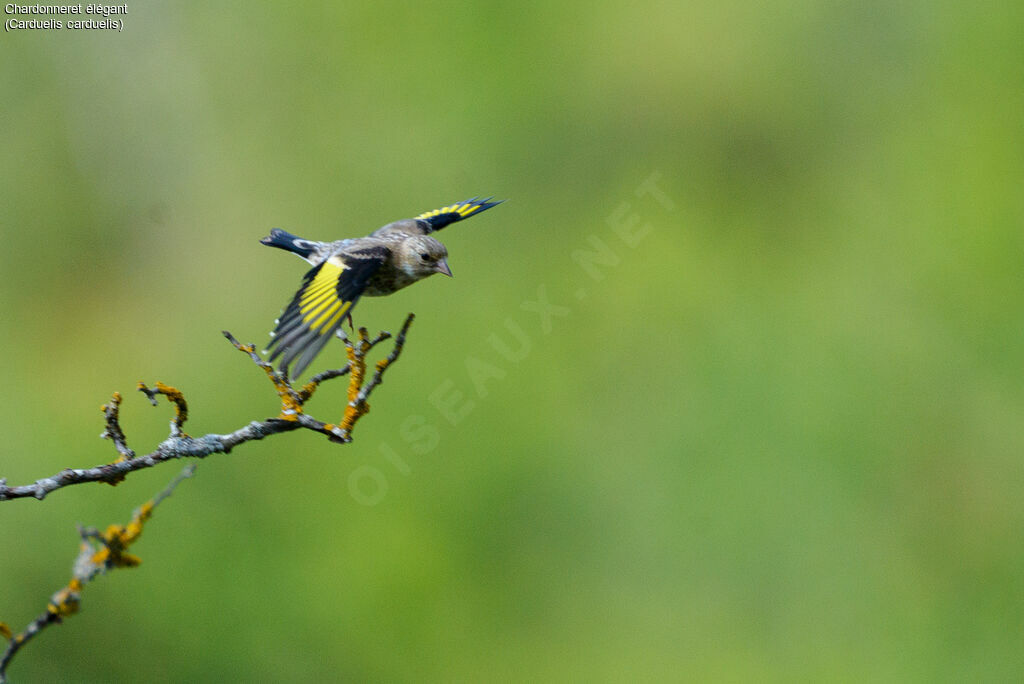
(358, 393)
(113, 432)
(175, 397)
(99, 553)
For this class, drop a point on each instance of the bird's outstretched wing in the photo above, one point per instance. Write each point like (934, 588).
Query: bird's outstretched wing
(439, 218)
(328, 293)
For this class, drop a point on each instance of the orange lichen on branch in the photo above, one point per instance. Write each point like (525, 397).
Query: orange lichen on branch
(99, 553)
(180, 407)
(103, 551)
(358, 387)
(118, 538)
(111, 408)
(355, 408)
(306, 393)
(65, 602)
(111, 411)
(174, 396)
(291, 401)
(293, 416)
(291, 404)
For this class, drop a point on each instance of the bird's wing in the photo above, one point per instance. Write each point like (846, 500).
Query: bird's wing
(439, 218)
(328, 293)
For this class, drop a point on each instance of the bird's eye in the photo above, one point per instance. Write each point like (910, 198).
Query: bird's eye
(424, 256)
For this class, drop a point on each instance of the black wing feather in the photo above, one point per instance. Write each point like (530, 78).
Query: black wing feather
(439, 218)
(328, 293)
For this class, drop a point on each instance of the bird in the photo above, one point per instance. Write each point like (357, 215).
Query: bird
(390, 258)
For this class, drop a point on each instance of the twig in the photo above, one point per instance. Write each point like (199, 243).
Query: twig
(181, 445)
(358, 393)
(99, 553)
(175, 397)
(113, 431)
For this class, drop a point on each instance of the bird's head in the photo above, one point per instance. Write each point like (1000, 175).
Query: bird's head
(423, 255)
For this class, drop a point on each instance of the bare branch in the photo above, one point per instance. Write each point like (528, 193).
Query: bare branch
(113, 431)
(99, 553)
(181, 445)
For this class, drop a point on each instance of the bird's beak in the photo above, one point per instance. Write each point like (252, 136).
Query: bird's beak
(442, 267)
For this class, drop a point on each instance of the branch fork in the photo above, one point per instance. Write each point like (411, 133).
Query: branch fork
(179, 444)
(103, 551)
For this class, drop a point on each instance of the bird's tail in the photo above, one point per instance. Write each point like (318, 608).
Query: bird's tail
(293, 243)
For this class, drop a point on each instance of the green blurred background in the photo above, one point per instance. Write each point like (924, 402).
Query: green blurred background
(775, 434)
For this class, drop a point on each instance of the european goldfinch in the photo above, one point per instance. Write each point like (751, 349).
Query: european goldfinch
(388, 259)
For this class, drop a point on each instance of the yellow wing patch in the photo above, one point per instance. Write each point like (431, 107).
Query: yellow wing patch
(329, 292)
(319, 305)
(463, 210)
(439, 218)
